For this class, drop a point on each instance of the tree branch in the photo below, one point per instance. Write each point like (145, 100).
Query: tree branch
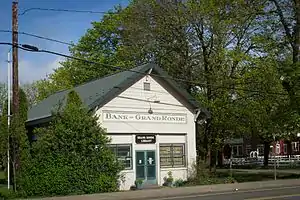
(283, 21)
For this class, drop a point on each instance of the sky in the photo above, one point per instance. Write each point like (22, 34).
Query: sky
(64, 26)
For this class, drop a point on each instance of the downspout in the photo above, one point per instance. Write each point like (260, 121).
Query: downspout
(197, 121)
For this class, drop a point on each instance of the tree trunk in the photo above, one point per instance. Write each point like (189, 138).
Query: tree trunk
(266, 153)
(253, 142)
(213, 161)
(220, 158)
(209, 135)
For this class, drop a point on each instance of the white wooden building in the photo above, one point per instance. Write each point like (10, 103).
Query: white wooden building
(150, 119)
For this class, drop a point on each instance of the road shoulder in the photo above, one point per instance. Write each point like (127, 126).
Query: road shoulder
(182, 191)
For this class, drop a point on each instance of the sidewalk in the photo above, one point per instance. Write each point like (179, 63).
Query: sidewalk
(184, 191)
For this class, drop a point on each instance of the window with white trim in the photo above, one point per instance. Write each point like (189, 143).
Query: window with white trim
(147, 86)
(295, 146)
(237, 150)
(172, 155)
(278, 148)
(261, 149)
(123, 153)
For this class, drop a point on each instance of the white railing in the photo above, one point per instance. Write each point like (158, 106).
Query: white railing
(282, 161)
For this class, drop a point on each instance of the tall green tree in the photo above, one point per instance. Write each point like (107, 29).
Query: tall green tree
(17, 135)
(71, 156)
(31, 92)
(266, 105)
(3, 92)
(280, 34)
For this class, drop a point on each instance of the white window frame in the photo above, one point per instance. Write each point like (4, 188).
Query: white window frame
(129, 157)
(295, 147)
(278, 151)
(238, 153)
(261, 149)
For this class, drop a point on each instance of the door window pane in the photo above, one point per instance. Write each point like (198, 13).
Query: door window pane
(150, 158)
(140, 158)
(151, 172)
(140, 172)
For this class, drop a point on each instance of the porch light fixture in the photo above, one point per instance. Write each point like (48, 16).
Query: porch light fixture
(150, 111)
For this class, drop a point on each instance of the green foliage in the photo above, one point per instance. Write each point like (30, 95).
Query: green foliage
(3, 92)
(233, 48)
(200, 175)
(3, 137)
(19, 145)
(31, 92)
(65, 159)
(6, 194)
(179, 183)
(73, 99)
(23, 105)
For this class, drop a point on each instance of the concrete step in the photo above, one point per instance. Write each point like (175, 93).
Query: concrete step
(150, 186)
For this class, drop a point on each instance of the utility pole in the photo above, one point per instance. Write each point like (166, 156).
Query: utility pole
(15, 57)
(15, 86)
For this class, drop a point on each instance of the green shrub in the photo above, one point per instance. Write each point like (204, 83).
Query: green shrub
(200, 175)
(6, 194)
(70, 156)
(229, 180)
(179, 183)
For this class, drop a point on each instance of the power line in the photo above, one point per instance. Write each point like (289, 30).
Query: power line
(35, 49)
(130, 70)
(62, 10)
(38, 36)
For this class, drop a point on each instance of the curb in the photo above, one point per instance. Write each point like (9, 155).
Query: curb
(169, 193)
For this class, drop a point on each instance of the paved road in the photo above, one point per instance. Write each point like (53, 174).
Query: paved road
(284, 193)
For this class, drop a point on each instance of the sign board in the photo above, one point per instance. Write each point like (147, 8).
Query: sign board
(174, 118)
(145, 139)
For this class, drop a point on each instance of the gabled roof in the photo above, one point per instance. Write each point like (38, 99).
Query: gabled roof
(101, 91)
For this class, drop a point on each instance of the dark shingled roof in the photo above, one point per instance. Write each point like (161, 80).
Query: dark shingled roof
(101, 91)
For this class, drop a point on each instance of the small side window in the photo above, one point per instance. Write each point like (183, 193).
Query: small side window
(147, 86)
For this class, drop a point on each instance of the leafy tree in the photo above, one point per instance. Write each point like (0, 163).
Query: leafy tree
(278, 36)
(3, 92)
(31, 92)
(18, 140)
(71, 156)
(3, 137)
(266, 110)
(102, 44)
